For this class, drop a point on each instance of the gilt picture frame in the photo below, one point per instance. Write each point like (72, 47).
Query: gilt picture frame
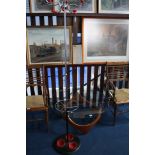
(45, 45)
(113, 6)
(104, 40)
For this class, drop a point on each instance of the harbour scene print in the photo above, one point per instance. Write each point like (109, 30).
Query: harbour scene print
(46, 45)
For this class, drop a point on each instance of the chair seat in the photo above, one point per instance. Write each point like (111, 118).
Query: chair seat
(122, 96)
(34, 101)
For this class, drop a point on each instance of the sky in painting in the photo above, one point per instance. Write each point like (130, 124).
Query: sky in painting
(45, 35)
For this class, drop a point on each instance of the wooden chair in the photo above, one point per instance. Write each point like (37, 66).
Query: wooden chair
(117, 87)
(36, 91)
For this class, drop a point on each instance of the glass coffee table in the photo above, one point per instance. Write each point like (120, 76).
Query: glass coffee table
(82, 115)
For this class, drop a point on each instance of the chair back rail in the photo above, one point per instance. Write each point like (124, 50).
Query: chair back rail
(88, 81)
(35, 81)
(118, 74)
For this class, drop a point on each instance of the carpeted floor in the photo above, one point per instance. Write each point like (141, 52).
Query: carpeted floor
(103, 139)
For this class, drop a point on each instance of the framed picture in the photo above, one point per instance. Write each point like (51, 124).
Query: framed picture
(105, 40)
(114, 6)
(45, 45)
(40, 6)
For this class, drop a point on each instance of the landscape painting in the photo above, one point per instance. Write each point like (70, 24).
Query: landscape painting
(46, 45)
(114, 6)
(105, 40)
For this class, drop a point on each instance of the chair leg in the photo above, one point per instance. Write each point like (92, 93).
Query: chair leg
(115, 113)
